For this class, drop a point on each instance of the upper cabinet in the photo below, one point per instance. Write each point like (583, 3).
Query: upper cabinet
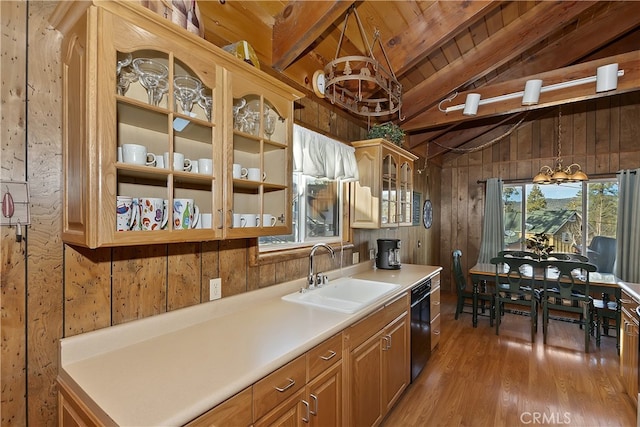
(384, 194)
(153, 126)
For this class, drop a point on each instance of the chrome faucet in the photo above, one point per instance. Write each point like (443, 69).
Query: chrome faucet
(314, 280)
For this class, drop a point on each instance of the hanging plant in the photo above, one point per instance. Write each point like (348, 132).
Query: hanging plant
(389, 131)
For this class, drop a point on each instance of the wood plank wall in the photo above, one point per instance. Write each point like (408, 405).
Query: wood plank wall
(602, 135)
(51, 290)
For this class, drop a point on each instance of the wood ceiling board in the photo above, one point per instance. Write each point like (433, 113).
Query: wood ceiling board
(577, 44)
(299, 25)
(513, 39)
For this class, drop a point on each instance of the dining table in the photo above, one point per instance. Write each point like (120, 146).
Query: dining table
(602, 285)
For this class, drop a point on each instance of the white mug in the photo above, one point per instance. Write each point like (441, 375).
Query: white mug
(185, 214)
(205, 220)
(239, 171)
(194, 166)
(187, 165)
(238, 221)
(153, 213)
(179, 162)
(250, 220)
(205, 166)
(268, 220)
(160, 161)
(127, 213)
(253, 174)
(135, 154)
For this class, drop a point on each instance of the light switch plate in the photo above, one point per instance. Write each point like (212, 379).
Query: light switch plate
(215, 289)
(356, 257)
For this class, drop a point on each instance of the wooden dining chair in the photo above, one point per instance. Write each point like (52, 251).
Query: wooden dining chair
(566, 289)
(477, 299)
(515, 286)
(563, 256)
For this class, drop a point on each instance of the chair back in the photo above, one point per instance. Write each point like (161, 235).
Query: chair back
(519, 273)
(602, 253)
(461, 282)
(563, 276)
(518, 254)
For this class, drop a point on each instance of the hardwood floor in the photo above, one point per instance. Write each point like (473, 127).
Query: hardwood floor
(476, 378)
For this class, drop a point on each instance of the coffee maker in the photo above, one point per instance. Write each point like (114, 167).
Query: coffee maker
(388, 257)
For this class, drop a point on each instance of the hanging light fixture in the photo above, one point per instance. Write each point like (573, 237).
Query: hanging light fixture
(361, 84)
(560, 174)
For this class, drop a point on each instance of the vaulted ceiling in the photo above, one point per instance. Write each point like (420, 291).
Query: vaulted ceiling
(439, 48)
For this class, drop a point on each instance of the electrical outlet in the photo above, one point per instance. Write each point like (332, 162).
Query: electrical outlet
(215, 289)
(356, 257)
(372, 254)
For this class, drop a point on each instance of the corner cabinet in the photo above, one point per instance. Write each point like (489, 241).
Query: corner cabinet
(148, 140)
(383, 196)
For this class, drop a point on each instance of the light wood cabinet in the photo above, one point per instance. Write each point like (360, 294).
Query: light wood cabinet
(435, 311)
(629, 346)
(124, 84)
(383, 196)
(379, 362)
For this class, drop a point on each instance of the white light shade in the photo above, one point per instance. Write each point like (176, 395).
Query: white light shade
(531, 92)
(471, 104)
(607, 78)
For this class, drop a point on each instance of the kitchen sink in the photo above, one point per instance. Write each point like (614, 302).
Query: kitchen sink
(346, 294)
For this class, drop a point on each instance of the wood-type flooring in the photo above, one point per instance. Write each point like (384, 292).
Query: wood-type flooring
(476, 378)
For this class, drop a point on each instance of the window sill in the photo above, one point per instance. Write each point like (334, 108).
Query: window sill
(286, 254)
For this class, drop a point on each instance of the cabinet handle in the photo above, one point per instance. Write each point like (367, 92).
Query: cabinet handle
(330, 356)
(306, 404)
(387, 343)
(390, 342)
(436, 303)
(221, 218)
(436, 332)
(288, 386)
(315, 404)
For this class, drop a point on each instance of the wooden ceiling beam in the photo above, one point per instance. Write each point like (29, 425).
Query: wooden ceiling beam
(621, 17)
(299, 25)
(505, 45)
(629, 62)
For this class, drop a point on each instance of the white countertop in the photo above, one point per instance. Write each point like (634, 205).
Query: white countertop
(169, 369)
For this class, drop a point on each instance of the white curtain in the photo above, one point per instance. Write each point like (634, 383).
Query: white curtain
(627, 265)
(493, 227)
(322, 157)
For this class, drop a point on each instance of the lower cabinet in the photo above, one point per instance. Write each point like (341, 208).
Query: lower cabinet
(435, 311)
(379, 363)
(235, 411)
(629, 346)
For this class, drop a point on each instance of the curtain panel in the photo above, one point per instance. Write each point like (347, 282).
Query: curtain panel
(493, 224)
(627, 265)
(319, 156)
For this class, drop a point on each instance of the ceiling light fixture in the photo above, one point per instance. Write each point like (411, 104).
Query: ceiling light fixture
(361, 84)
(560, 174)
(606, 79)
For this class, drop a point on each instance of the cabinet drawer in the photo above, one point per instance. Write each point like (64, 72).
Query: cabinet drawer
(365, 328)
(435, 331)
(278, 386)
(435, 303)
(235, 411)
(323, 356)
(628, 305)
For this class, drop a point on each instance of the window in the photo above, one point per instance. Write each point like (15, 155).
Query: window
(317, 210)
(560, 211)
(321, 166)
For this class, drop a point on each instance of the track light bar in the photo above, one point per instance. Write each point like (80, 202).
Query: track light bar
(606, 79)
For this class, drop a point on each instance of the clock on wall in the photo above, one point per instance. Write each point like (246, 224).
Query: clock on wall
(427, 214)
(319, 83)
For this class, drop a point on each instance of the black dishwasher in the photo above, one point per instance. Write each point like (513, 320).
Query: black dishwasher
(420, 326)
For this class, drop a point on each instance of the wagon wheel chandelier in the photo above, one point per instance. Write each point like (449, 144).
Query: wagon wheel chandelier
(360, 84)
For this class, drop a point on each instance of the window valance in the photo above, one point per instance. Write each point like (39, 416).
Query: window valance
(319, 156)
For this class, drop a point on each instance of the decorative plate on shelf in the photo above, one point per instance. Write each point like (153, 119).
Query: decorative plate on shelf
(427, 214)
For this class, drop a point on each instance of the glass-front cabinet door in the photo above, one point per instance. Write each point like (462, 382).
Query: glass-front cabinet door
(389, 190)
(259, 191)
(150, 134)
(405, 191)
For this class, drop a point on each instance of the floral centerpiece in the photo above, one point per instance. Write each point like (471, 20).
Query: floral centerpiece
(539, 244)
(389, 131)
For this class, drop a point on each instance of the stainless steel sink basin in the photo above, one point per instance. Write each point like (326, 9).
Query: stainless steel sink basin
(346, 295)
